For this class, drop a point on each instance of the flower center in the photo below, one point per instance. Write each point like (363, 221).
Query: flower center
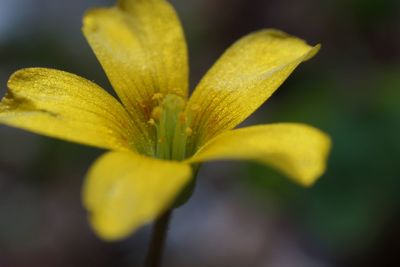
(172, 127)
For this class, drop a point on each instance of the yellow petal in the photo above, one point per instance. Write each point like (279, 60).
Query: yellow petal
(65, 106)
(141, 46)
(300, 151)
(123, 191)
(243, 78)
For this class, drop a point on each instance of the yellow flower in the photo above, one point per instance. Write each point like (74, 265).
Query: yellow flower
(156, 133)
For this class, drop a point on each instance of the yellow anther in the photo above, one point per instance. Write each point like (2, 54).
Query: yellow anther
(176, 91)
(157, 96)
(142, 104)
(195, 107)
(182, 118)
(188, 131)
(152, 122)
(156, 113)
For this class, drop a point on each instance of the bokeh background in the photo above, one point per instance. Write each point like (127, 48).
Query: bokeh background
(240, 214)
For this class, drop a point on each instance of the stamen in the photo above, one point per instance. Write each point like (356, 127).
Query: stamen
(156, 113)
(188, 131)
(142, 104)
(171, 125)
(176, 91)
(195, 107)
(157, 96)
(182, 117)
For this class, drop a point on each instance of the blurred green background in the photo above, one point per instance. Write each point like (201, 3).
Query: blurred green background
(240, 214)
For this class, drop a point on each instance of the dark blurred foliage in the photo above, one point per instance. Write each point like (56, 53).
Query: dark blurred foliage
(239, 215)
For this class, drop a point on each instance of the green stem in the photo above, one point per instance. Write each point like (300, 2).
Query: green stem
(156, 248)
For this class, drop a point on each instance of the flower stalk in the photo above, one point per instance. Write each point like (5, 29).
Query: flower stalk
(158, 240)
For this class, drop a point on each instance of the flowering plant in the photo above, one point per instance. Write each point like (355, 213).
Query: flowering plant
(156, 135)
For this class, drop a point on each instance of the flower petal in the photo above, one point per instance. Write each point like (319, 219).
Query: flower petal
(243, 78)
(123, 191)
(66, 106)
(298, 150)
(141, 46)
